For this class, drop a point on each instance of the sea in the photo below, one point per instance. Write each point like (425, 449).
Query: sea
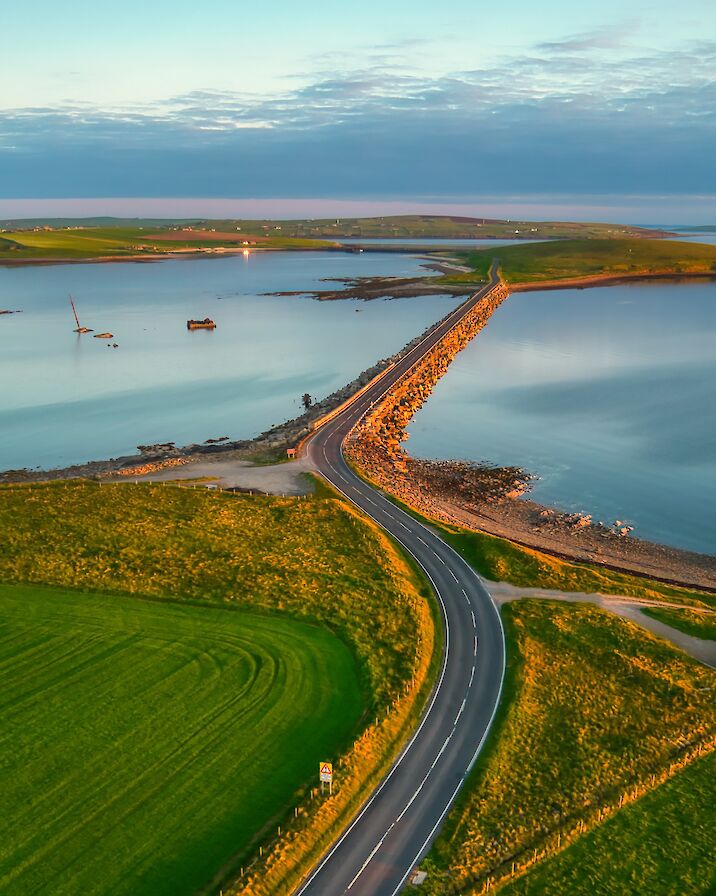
(608, 395)
(69, 398)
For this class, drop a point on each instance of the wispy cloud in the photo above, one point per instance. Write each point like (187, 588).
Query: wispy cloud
(611, 38)
(545, 121)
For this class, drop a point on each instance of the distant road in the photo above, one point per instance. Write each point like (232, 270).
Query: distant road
(402, 817)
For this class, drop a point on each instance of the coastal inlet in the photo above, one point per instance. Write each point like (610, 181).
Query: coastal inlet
(72, 400)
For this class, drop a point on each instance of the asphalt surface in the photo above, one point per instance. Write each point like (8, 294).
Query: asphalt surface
(396, 826)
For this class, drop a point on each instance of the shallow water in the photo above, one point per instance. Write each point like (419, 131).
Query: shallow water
(609, 395)
(68, 398)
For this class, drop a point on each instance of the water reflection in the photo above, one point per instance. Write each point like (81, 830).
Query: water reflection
(606, 394)
(68, 398)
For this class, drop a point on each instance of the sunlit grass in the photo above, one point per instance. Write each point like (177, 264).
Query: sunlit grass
(594, 707)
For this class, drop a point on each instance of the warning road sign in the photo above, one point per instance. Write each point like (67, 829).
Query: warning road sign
(326, 772)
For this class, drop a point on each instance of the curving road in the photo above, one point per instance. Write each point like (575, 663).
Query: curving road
(395, 828)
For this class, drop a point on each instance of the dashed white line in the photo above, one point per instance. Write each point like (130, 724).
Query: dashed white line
(474, 648)
(472, 675)
(366, 863)
(472, 613)
(459, 713)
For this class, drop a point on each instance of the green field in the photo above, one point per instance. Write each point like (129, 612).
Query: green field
(116, 242)
(593, 706)
(143, 744)
(175, 663)
(312, 559)
(661, 846)
(95, 238)
(567, 259)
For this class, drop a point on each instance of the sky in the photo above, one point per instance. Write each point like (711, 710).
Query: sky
(598, 107)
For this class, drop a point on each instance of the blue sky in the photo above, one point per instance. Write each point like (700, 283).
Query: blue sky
(598, 104)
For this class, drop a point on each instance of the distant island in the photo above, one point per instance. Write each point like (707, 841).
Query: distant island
(97, 239)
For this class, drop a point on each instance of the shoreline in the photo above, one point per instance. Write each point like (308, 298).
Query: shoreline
(519, 520)
(598, 280)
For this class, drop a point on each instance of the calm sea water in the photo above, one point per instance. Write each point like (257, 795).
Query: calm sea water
(68, 398)
(609, 395)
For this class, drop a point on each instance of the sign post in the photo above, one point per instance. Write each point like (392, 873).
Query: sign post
(326, 774)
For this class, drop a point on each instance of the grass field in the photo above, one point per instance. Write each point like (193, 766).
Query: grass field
(312, 559)
(100, 242)
(594, 706)
(231, 596)
(110, 236)
(634, 852)
(700, 625)
(567, 259)
(142, 743)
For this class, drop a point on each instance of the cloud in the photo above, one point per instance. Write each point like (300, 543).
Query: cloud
(601, 39)
(535, 123)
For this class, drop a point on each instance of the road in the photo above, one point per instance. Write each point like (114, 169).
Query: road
(396, 826)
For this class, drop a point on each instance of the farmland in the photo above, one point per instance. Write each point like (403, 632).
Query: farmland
(75, 240)
(170, 621)
(595, 258)
(576, 735)
(143, 743)
(80, 243)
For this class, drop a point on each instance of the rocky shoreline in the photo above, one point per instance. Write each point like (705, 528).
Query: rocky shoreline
(367, 288)
(491, 499)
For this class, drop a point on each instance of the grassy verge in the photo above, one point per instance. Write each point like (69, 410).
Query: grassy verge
(576, 739)
(500, 560)
(570, 259)
(662, 845)
(700, 625)
(154, 734)
(312, 559)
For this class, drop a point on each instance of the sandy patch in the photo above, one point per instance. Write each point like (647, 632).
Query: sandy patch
(275, 479)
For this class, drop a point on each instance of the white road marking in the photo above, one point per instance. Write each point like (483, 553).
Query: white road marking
(472, 613)
(459, 713)
(435, 336)
(366, 863)
(474, 648)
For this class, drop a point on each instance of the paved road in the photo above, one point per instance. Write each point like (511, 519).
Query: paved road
(398, 823)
